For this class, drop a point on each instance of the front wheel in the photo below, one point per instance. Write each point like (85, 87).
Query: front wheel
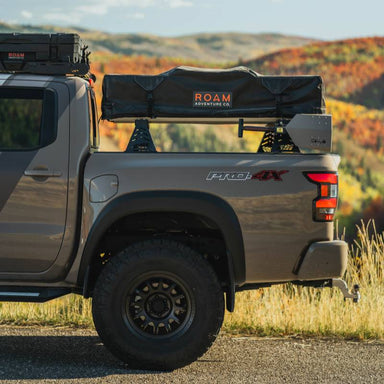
(158, 305)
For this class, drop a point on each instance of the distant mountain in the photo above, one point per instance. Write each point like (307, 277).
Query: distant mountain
(204, 47)
(353, 69)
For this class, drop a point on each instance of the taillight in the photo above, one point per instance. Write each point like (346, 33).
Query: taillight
(324, 206)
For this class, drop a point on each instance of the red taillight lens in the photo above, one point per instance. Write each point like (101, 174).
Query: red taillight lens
(324, 188)
(330, 178)
(326, 203)
(324, 206)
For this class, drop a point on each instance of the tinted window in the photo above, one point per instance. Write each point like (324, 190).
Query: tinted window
(27, 118)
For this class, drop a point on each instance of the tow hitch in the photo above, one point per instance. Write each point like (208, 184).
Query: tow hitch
(354, 294)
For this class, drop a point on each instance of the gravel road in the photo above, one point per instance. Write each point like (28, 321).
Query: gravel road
(57, 355)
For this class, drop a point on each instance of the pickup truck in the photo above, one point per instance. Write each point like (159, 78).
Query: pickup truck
(160, 241)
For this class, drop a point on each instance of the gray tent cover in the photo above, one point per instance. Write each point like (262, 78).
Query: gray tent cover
(200, 93)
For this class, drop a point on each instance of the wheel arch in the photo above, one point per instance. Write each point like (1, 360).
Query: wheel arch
(207, 205)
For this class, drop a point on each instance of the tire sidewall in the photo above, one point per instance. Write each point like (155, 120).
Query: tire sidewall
(200, 282)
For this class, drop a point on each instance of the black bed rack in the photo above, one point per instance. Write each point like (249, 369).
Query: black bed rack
(275, 137)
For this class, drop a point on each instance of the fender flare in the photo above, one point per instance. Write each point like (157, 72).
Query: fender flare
(204, 204)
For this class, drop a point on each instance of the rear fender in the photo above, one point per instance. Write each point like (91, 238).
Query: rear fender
(203, 204)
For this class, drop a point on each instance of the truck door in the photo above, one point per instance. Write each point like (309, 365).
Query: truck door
(34, 154)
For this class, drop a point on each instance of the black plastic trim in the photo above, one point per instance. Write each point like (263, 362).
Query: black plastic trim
(31, 294)
(252, 286)
(204, 204)
(304, 283)
(314, 283)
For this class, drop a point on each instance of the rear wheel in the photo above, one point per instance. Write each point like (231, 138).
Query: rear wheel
(158, 305)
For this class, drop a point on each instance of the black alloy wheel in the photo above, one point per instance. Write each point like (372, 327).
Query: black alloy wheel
(158, 305)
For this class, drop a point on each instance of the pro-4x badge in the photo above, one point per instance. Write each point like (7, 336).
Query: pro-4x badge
(230, 176)
(243, 176)
(269, 175)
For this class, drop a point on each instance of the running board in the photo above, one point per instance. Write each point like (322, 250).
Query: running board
(31, 294)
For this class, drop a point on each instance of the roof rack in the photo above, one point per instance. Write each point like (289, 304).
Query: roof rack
(43, 54)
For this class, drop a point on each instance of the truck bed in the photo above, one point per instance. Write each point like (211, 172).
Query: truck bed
(275, 214)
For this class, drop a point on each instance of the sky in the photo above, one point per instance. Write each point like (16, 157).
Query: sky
(323, 19)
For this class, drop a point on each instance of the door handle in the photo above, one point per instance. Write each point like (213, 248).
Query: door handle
(42, 173)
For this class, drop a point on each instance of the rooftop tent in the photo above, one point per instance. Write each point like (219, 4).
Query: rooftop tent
(186, 93)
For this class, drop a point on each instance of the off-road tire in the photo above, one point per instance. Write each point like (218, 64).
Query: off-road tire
(167, 282)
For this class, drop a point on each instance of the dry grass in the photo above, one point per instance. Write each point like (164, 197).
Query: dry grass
(287, 310)
(279, 310)
(71, 310)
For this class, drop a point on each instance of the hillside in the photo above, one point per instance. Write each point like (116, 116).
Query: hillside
(361, 182)
(353, 69)
(205, 47)
(353, 73)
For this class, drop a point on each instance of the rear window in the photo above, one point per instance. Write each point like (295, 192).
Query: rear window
(27, 118)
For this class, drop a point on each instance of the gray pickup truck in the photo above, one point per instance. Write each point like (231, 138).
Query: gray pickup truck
(158, 240)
